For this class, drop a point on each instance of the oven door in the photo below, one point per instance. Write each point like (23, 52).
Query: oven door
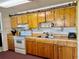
(20, 43)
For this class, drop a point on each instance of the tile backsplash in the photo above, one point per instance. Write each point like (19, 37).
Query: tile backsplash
(55, 30)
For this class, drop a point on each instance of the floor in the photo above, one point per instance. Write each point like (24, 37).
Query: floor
(1, 49)
(13, 55)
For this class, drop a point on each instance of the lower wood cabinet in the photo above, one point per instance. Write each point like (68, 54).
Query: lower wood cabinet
(37, 48)
(55, 51)
(51, 51)
(43, 50)
(11, 44)
(29, 47)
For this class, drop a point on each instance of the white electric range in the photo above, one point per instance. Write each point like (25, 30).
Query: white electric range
(19, 44)
(19, 41)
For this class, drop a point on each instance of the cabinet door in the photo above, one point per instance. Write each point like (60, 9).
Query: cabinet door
(29, 46)
(34, 20)
(40, 49)
(73, 16)
(34, 48)
(62, 16)
(51, 51)
(50, 16)
(24, 19)
(56, 55)
(19, 19)
(74, 52)
(70, 16)
(59, 17)
(46, 50)
(41, 17)
(67, 52)
(60, 52)
(29, 17)
(67, 16)
(14, 22)
(11, 44)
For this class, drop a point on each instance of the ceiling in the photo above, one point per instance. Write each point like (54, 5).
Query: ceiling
(1, 1)
(14, 4)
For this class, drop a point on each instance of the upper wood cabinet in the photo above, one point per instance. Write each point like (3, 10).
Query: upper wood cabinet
(67, 16)
(41, 17)
(73, 16)
(24, 19)
(19, 19)
(14, 22)
(50, 16)
(59, 17)
(70, 16)
(32, 20)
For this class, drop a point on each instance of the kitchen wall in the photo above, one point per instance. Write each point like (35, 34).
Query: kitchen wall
(78, 28)
(5, 26)
(55, 30)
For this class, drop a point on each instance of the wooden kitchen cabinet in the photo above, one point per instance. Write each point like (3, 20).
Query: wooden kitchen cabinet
(59, 17)
(10, 41)
(74, 53)
(19, 19)
(40, 49)
(29, 47)
(47, 49)
(37, 48)
(50, 16)
(73, 16)
(70, 16)
(34, 48)
(56, 55)
(41, 17)
(53, 50)
(24, 19)
(43, 50)
(67, 52)
(29, 16)
(14, 22)
(67, 16)
(32, 20)
(57, 14)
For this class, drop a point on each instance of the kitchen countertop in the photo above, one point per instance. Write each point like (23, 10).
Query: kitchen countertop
(55, 39)
(64, 41)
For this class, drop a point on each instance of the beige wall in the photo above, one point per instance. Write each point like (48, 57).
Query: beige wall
(5, 28)
(78, 28)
